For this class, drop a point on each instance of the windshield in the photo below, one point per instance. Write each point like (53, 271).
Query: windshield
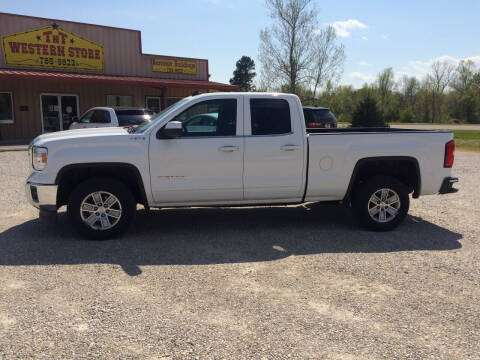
(160, 116)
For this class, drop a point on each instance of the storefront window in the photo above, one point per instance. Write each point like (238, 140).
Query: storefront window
(172, 100)
(119, 100)
(154, 103)
(6, 108)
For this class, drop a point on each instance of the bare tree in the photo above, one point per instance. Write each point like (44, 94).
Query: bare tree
(328, 59)
(286, 47)
(439, 78)
(409, 87)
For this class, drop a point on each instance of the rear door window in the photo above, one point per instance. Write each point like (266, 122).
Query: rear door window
(270, 117)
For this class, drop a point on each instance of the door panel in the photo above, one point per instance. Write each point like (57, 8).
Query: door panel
(270, 171)
(69, 109)
(50, 113)
(189, 170)
(274, 159)
(205, 165)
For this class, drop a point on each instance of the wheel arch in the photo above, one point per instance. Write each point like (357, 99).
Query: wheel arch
(404, 168)
(73, 174)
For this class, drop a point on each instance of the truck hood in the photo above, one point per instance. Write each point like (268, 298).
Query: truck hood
(77, 134)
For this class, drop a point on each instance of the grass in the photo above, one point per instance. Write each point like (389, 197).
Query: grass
(464, 139)
(467, 139)
(429, 123)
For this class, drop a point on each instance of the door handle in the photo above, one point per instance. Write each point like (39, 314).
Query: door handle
(228, 148)
(289, 147)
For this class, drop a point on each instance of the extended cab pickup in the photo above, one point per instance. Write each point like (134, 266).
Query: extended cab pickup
(253, 150)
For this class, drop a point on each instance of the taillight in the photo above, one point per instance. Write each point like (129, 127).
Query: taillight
(449, 154)
(314, 125)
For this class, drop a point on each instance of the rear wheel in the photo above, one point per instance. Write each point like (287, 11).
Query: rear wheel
(101, 208)
(380, 203)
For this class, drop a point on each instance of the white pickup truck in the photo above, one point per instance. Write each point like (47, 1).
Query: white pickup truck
(126, 117)
(234, 149)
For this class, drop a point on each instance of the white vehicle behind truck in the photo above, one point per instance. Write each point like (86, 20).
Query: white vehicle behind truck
(257, 151)
(126, 117)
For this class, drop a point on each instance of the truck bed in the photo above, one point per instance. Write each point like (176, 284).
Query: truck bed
(332, 159)
(369, 130)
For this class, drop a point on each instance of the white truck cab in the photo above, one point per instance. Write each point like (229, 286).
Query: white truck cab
(251, 149)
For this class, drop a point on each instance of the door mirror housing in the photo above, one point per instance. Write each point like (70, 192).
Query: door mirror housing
(173, 129)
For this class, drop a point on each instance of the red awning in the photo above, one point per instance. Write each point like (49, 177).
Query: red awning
(120, 80)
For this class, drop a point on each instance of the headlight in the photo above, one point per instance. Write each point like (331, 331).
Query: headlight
(39, 158)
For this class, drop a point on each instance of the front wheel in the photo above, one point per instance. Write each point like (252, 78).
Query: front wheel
(380, 203)
(101, 208)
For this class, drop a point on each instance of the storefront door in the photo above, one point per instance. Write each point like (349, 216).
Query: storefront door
(58, 111)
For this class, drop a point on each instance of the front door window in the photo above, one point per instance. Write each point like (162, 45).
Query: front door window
(58, 111)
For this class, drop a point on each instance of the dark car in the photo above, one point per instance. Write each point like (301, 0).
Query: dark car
(319, 117)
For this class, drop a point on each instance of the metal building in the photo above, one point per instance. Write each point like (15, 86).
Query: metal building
(54, 70)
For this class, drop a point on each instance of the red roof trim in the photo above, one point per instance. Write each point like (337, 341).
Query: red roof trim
(120, 80)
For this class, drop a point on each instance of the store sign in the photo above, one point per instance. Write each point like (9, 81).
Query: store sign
(175, 66)
(52, 47)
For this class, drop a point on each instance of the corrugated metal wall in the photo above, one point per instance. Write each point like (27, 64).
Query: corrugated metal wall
(121, 46)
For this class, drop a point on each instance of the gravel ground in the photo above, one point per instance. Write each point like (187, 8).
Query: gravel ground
(273, 283)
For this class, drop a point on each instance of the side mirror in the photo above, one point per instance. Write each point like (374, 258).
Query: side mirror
(74, 119)
(173, 129)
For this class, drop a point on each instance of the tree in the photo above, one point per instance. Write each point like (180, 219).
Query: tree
(286, 46)
(385, 84)
(409, 87)
(244, 73)
(439, 78)
(464, 76)
(328, 59)
(367, 114)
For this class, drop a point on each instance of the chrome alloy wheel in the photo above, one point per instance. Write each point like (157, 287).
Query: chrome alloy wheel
(100, 210)
(383, 205)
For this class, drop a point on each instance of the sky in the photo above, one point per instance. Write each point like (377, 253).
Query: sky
(406, 35)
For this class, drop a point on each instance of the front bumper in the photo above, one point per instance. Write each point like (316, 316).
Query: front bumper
(447, 185)
(42, 196)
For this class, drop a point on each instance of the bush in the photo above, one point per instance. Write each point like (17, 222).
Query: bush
(367, 115)
(407, 115)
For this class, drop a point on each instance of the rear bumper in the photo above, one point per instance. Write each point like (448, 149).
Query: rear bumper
(447, 185)
(42, 196)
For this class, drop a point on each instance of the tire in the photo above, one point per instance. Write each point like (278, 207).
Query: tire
(385, 211)
(107, 221)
